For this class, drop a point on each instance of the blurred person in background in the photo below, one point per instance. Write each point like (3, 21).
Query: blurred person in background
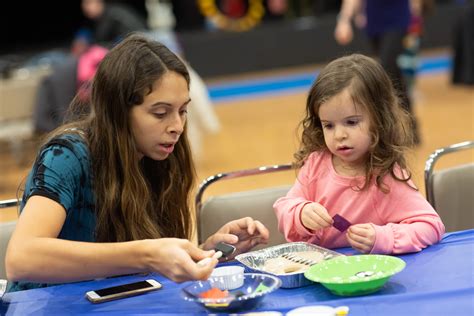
(57, 90)
(275, 9)
(188, 16)
(107, 23)
(463, 46)
(202, 118)
(386, 24)
(408, 60)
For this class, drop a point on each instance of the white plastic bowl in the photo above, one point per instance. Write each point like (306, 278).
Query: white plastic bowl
(228, 278)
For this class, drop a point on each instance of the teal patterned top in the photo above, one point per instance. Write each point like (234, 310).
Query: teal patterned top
(61, 172)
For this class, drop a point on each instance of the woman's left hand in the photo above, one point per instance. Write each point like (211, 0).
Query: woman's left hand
(244, 234)
(361, 237)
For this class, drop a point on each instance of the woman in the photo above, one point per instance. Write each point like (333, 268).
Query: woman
(112, 191)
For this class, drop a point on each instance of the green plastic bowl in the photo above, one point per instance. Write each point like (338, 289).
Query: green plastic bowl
(355, 275)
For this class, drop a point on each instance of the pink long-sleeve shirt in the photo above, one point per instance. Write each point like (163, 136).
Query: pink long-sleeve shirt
(403, 220)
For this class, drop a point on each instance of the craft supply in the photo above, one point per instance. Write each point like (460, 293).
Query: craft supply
(226, 249)
(261, 288)
(222, 250)
(340, 223)
(307, 258)
(206, 261)
(227, 277)
(291, 273)
(293, 262)
(214, 293)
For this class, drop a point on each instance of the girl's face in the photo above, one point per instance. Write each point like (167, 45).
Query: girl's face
(158, 122)
(346, 129)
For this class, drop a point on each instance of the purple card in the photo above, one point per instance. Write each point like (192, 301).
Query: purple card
(340, 223)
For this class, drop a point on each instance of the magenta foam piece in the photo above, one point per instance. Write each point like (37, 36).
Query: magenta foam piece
(340, 223)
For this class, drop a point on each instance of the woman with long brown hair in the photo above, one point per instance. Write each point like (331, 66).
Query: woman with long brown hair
(109, 194)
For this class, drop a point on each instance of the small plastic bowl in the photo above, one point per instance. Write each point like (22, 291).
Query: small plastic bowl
(227, 278)
(254, 288)
(355, 275)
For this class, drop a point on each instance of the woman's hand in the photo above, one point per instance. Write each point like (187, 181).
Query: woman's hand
(314, 216)
(244, 233)
(361, 237)
(176, 259)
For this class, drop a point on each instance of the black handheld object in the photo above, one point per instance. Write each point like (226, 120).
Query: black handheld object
(226, 249)
(222, 250)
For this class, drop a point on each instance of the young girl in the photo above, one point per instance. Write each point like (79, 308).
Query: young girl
(353, 165)
(109, 194)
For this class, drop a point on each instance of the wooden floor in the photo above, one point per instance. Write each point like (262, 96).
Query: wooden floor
(262, 131)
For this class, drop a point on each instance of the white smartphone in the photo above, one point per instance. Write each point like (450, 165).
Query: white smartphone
(124, 290)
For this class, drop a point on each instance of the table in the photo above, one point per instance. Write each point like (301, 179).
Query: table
(436, 281)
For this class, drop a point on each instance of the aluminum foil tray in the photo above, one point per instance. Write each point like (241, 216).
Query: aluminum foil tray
(254, 261)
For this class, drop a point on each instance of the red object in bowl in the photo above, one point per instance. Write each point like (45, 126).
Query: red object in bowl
(214, 293)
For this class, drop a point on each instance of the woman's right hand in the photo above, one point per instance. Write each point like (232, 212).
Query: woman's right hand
(177, 259)
(314, 216)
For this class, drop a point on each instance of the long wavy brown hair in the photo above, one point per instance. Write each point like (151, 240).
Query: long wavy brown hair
(371, 88)
(134, 199)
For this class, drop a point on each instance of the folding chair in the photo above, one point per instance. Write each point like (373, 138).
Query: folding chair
(258, 204)
(17, 95)
(6, 230)
(450, 190)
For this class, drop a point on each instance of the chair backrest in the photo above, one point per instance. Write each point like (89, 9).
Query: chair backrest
(258, 204)
(450, 190)
(6, 230)
(19, 92)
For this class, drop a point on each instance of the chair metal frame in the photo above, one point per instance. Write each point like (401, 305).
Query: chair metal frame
(430, 164)
(6, 228)
(9, 203)
(232, 175)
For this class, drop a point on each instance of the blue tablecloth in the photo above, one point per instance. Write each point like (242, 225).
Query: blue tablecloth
(436, 281)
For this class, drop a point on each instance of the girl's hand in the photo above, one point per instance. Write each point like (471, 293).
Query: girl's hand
(176, 259)
(244, 233)
(361, 237)
(314, 216)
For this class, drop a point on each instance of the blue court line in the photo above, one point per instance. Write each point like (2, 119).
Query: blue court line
(294, 83)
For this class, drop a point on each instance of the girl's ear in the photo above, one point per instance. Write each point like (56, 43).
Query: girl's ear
(375, 139)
